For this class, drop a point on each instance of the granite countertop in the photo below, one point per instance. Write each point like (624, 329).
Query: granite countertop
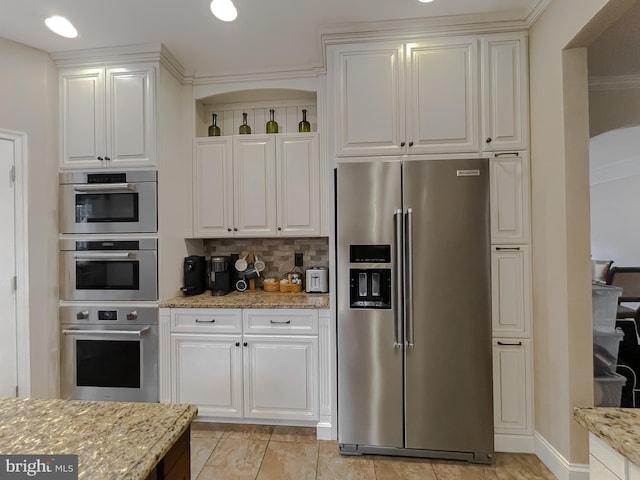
(113, 440)
(250, 299)
(618, 427)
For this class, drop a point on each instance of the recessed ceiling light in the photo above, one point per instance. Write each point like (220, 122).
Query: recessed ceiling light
(425, 1)
(61, 26)
(224, 10)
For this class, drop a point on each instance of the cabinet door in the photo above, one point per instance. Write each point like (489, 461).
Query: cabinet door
(82, 97)
(511, 291)
(254, 173)
(369, 101)
(505, 93)
(510, 199)
(281, 377)
(442, 96)
(207, 372)
(130, 116)
(512, 393)
(212, 187)
(298, 185)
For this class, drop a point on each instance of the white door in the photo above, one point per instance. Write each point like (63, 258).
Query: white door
(509, 177)
(511, 290)
(8, 323)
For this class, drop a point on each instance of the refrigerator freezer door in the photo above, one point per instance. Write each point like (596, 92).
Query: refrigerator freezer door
(370, 394)
(448, 376)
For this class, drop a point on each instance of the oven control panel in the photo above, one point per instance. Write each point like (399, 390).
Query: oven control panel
(101, 315)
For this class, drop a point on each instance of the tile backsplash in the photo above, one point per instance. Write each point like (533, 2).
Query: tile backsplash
(276, 253)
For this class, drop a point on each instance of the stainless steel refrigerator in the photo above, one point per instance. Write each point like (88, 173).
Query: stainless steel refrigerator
(414, 309)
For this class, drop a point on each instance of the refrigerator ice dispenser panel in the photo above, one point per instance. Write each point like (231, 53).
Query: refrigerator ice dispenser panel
(370, 287)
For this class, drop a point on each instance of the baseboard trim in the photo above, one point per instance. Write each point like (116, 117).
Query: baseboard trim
(323, 431)
(504, 442)
(559, 466)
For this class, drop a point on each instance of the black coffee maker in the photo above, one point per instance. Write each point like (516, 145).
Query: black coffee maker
(220, 276)
(195, 275)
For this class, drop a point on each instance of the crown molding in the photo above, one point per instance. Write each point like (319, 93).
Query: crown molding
(310, 72)
(535, 13)
(113, 56)
(613, 82)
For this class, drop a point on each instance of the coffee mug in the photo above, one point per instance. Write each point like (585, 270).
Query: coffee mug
(241, 285)
(241, 265)
(251, 272)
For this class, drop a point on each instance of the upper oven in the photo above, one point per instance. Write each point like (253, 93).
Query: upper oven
(108, 202)
(109, 269)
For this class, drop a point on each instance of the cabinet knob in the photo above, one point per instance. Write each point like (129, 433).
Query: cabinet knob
(229, 229)
(237, 344)
(245, 344)
(107, 159)
(402, 144)
(235, 229)
(411, 144)
(279, 228)
(488, 140)
(100, 158)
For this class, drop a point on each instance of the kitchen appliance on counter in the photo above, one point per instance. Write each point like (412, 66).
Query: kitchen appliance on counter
(108, 269)
(108, 202)
(414, 309)
(109, 352)
(194, 275)
(220, 276)
(317, 280)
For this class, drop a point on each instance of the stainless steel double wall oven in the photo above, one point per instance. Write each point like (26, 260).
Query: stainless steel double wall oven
(109, 285)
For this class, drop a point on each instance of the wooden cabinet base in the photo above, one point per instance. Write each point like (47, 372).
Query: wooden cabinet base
(176, 464)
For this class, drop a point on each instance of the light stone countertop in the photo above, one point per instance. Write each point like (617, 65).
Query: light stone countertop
(113, 440)
(618, 427)
(250, 299)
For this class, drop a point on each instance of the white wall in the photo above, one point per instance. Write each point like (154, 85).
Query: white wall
(29, 85)
(615, 196)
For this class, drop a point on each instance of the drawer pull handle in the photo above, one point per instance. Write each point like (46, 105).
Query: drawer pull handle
(509, 344)
(283, 322)
(205, 321)
(507, 249)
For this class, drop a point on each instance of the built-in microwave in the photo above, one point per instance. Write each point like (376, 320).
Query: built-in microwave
(109, 269)
(108, 202)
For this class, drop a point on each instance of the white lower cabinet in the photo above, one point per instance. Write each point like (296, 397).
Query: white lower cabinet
(607, 464)
(280, 377)
(229, 373)
(512, 394)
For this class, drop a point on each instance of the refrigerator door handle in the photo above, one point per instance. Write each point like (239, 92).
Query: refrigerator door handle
(397, 317)
(408, 280)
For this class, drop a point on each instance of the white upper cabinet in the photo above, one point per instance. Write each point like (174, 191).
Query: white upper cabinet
(396, 98)
(256, 186)
(213, 187)
(442, 96)
(510, 218)
(505, 92)
(254, 173)
(108, 117)
(298, 180)
(511, 290)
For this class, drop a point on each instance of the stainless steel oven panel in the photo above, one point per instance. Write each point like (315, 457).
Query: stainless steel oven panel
(146, 335)
(143, 183)
(147, 272)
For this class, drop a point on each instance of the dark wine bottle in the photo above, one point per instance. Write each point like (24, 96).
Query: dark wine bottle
(214, 130)
(272, 126)
(244, 128)
(304, 126)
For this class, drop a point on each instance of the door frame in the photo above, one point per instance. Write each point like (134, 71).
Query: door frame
(19, 140)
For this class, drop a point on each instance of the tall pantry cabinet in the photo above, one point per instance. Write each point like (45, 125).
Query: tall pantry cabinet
(455, 96)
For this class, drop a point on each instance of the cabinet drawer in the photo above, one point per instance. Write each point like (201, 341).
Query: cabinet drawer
(210, 320)
(281, 321)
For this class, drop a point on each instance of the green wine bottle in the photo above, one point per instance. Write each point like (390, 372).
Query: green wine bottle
(272, 126)
(304, 126)
(214, 130)
(244, 128)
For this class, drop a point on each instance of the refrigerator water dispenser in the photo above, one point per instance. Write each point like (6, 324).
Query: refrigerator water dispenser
(370, 287)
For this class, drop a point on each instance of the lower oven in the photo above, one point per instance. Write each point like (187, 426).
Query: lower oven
(109, 353)
(109, 269)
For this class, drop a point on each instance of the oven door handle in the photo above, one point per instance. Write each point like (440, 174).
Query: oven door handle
(135, 333)
(105, 187)
(103, 255)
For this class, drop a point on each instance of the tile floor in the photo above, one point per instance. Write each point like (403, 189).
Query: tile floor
(234, 452)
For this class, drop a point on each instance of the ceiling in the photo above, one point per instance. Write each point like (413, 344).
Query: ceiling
(269, 35)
